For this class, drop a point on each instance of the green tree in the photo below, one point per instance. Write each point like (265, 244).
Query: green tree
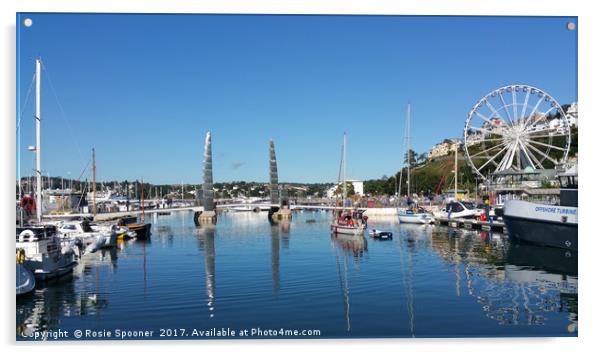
(350, 189)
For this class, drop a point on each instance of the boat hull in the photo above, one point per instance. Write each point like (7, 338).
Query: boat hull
(542, 232)
(542, 224)
(347, 230)
(142, 230)
(46, 274)
(415, 218)
(25, 280)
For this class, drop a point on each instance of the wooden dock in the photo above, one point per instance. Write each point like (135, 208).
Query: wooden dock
(472, 224)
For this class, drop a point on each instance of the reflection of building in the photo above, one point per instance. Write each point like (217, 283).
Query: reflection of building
(515, 284)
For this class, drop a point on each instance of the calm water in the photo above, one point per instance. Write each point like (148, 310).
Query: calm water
(243, 273)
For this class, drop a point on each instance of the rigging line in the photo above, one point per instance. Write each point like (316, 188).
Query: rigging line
(33, 79)
(62, 111)
(18, 132)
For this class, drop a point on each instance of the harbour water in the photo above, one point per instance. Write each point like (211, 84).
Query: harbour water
(243, 273)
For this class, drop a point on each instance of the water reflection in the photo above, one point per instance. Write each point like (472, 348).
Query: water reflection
(397, 289)
(355, 245)
(516, 284)
(206, 237)
(52, 300)
(275, 238)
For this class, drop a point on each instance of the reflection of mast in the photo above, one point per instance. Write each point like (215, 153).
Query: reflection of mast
(407, 284)
(344, 287)
(457, 268)
(275, 260)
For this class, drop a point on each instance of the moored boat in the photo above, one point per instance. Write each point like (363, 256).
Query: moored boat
(415, 216)
(381, 235)
(549, 225)
(344, 221)
(42, 253)
(143, 231)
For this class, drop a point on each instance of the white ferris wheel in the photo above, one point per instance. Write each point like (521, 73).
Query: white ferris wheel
(516, 127)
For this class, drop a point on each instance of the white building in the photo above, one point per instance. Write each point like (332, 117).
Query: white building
(358, 187)
(572, 114)
(444, 148)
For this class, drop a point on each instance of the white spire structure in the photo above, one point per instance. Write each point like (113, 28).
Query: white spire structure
(38, 148)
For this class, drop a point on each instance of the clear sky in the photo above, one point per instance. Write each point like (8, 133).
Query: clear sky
(144, 89)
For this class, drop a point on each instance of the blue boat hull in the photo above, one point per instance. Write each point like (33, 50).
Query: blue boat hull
(542, 232)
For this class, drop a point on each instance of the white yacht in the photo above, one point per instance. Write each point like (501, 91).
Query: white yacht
(458, 209)
(42, 253)
(92, 240)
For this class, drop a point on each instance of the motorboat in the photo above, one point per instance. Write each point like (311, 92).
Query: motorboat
(415, 216)
(458, 209)
(549, 225)
(381, 235)
(92, 240)
(42, 253)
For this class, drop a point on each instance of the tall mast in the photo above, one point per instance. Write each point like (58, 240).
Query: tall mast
(408, 140)
(456, 172)
(38, 143)
(142, 202)
(93, 182)
(344, 168)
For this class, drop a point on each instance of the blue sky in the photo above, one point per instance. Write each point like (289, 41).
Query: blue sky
(144, 89)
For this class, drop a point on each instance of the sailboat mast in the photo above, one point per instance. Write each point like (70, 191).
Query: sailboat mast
(344, 168)
(456, 172)
(142, 201)
(38, 143)
(408, 140)
(93, 182)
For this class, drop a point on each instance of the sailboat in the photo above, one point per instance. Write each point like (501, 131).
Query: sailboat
(346, 222)
(38, 248)
(415, 215)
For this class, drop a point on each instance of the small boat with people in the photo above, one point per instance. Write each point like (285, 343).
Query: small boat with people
(350, 223)
(345, 220)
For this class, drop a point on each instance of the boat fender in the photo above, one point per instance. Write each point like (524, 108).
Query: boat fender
(26, 233)
(20, 256)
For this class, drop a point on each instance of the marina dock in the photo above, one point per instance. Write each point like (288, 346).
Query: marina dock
(472, 224)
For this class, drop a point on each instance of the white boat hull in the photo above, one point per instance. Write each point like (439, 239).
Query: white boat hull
(347, 230)
(415, 218)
